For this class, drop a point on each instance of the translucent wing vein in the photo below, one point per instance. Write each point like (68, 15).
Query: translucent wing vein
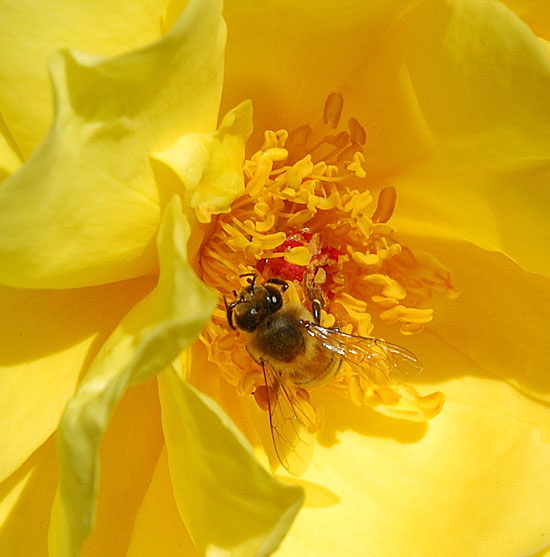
(291, 422)
(366, 351)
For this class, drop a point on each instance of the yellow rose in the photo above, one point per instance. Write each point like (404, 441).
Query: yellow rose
(106, 211)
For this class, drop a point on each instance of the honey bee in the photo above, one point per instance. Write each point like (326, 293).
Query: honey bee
(296, 354)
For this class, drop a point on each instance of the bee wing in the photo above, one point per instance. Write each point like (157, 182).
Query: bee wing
(291, 421)
(366, 351)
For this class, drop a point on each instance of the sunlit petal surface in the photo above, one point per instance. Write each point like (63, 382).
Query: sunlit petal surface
(100, 205)
(229, 502)
(129, 454)
(453, 99)
(158, 513)
(452, 95)
(26, 501)
(453, 490)
(149, 337)
(48, 342)
(30, 32)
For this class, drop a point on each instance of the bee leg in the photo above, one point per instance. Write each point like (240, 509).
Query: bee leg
(229, 312)
(279, 282)
(316, 310)
(251, 279)
(316, 298)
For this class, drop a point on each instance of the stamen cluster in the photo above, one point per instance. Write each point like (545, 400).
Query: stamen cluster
(307, 216)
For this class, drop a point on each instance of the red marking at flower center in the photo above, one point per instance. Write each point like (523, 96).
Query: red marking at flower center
(322, 257)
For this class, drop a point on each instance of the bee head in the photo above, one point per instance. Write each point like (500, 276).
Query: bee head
(253, 305)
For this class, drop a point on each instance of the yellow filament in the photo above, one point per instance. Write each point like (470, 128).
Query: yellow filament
(307, 215)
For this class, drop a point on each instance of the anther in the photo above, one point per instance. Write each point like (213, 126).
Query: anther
(386, 205)
(357, 132)
(333, 109)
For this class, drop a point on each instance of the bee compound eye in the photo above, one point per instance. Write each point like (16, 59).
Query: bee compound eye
(273, 299)
(248, 320)
(275, 302)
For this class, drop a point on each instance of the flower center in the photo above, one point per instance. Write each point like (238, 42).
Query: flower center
(307, 217)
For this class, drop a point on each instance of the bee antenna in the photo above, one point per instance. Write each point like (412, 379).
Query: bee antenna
(229, 312)
(251, 278)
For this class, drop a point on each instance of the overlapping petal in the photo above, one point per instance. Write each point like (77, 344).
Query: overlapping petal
(209, 165)
(158, 513)
(486, 103)
(149, 337)
(453, 490)
(229, 502)
(25, 503)
(85, 208)
(535, 13)
(129, 453)
(30, 33)
(453, 97)
(300, 53)
(9, 158)
(48, 341)
(499, 321)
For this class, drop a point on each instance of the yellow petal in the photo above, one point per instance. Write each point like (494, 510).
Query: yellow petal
(453, 368)
(485, 102)
(130, 450)
(546, 46)
(500, 318)
(483, 174)
(149, 337)
(9, 157)
(319, 52)
(306, 54)
(25, 503)
(85, 208)
(158, 513)
(48, 339)
(209, 165)
(451, 95)
(30, 33)
(469, 86)
(474, 483)
(501, 211)
(535, 13)
(213, 468)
